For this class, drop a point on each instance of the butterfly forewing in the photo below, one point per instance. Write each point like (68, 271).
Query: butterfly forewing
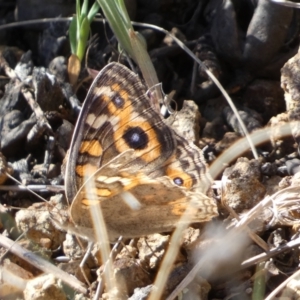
(116, 116)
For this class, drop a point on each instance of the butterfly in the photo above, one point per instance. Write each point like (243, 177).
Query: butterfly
(125, 159)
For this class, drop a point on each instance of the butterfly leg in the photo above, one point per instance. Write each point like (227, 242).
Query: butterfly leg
(112, 256)
(85, 257)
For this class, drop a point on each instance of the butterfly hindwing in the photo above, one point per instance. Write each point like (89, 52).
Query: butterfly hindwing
(133, 204)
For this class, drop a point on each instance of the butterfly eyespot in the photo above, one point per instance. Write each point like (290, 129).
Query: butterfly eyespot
(118, 101)
(136, 138)
(178, 181)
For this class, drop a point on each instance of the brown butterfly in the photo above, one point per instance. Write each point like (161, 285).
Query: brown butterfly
(125, 159)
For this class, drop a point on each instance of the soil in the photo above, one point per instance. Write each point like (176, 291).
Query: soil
(252, 49)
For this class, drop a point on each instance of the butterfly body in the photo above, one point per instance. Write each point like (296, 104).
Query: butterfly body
(122, 149)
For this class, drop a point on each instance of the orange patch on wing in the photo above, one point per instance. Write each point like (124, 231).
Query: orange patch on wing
(94, 195)
(85, 170)
(132, 181)
(103, 192)
(179, 209)
(92, 147)
(124, 114)
(88, 202)
(115, 87)
(105, 98)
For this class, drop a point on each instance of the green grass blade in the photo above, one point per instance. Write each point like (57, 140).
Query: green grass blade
(78, 13)
(83, 37)
(73, 35)
(123, 12)
(259, 287)
(78, 9)
(118, 23)
(84, 9)
(94, 9)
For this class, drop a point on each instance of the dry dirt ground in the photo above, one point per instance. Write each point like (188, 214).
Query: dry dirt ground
(252, 48)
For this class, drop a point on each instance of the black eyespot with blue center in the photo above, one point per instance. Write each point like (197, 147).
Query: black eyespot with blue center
(136, 138)
(118, 101)
(178, 181)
